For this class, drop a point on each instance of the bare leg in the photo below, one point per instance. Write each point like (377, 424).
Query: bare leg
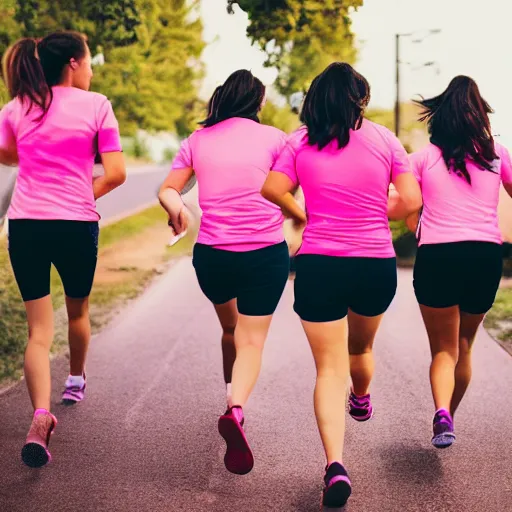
(250, 335)
(79, 334)
(468, 328)
(361, 334)
(329, 344)
(228, 316)
(442, 326)
(37, 354)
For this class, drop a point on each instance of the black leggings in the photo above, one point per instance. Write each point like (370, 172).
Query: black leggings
(71, 246)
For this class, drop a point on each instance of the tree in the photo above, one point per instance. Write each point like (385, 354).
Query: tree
(153, 83)
(300, 37)
(280, 117)
(151, 49)
(106, 22)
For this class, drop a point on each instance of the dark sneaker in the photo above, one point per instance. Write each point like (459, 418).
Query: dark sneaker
(35, 453)
(443, 429)
(239, 458)
(360, 407)
(338, 487)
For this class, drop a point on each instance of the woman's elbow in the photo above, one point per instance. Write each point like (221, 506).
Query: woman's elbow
(117, 177)
(268, 194)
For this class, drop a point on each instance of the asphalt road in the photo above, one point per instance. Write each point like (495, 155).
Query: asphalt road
(145, 438)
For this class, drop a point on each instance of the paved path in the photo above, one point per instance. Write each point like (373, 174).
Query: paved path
(145, 438)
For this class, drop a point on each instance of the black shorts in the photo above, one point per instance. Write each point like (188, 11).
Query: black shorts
(464, 274)
(255, 278)
(326, 287)
(71, 246)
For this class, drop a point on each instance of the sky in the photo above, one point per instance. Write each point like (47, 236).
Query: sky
(475, 40)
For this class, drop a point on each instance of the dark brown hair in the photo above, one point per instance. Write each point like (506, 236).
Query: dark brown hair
(241, 95)
(458, 122)
(32, 67)
(334, 105)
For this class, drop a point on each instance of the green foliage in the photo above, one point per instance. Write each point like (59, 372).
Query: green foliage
(136, 148)
(151, 48)
(152, 84)
(300, 37)
(106, 22)
(280, 117)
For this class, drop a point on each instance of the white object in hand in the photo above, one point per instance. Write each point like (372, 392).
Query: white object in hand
(176, 238)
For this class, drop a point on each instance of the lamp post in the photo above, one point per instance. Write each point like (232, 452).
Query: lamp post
(397, 70)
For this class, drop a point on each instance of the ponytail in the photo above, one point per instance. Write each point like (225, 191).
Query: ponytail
(24, 75)
(32, 67)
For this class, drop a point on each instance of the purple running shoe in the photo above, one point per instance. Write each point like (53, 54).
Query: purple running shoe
(35, 453)
(73, 394)
(239, 458)
(360, 407)
(338, 487)
(443, 429)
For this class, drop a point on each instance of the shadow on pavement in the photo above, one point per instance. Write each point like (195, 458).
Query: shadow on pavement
(414, 465)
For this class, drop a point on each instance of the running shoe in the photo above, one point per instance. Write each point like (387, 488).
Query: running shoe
(35, 453)
(239, 458)
(338, 487)
(360, 407)
(72, 393)
(443, 429)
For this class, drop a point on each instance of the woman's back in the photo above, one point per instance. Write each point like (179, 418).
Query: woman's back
(453, 209)
(346, 190)
(231, 161)
(56, 154)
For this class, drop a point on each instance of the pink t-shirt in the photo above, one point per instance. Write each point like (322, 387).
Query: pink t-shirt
(231, 161)
(346, 190)
(454, 210)
(56, 155)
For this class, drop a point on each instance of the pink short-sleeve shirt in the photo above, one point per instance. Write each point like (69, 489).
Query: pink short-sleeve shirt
(56, 154)
(231, 161)
(346, 190)
(453, 209)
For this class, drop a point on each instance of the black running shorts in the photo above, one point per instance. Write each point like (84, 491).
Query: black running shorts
(255, 278)
(71, 246)
(326, 287)
(464, 274)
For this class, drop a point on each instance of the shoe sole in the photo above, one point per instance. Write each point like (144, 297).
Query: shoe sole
(68, 402)
(239, 458)
(34, 455)
(338, 493)
(361, 419)
(443, 440)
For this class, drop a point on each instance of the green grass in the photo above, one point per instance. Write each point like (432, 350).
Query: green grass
(105, 298)
(499, 320)
(131, 226)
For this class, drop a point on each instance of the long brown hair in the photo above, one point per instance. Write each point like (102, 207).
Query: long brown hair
(458, 122)
(335, 104)
(32, 67)
(241, 95)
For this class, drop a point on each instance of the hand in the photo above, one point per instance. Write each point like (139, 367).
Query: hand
(299, 223)
(180, 223)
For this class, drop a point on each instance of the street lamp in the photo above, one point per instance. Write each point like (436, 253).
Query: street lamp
(397, 69)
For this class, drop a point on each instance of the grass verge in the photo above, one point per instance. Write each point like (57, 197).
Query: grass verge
(499, 320)
(131, 253)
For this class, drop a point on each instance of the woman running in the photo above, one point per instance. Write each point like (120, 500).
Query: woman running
(241, 258)
(346, 265)
(53, 126)
(459, 260)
